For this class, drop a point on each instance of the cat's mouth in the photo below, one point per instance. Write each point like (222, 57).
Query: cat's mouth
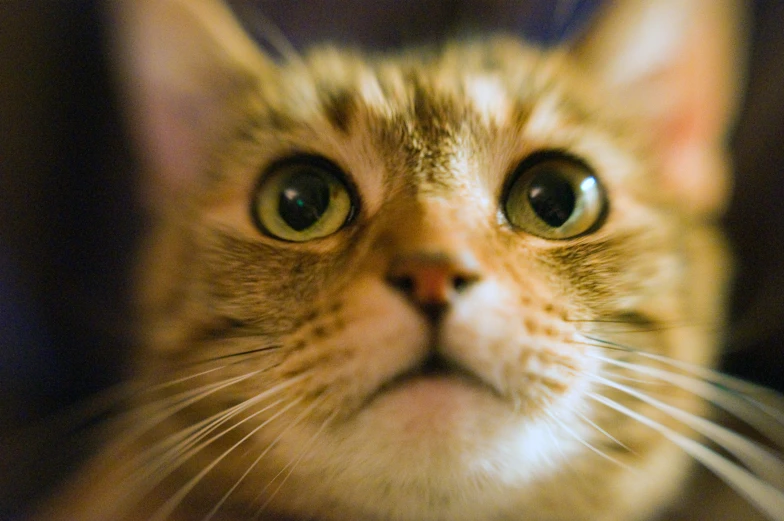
(434, 367)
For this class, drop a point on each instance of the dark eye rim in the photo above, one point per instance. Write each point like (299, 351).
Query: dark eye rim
(526, 164)
(319, 161)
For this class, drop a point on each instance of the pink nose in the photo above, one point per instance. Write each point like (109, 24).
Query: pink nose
(432, 279)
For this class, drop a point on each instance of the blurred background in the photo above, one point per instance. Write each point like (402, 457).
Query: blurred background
(70, 217)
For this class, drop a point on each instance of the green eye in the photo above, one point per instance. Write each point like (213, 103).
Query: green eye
(301, 199)
(554, 196)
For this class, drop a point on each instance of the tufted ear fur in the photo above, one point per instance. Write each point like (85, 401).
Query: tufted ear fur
(679, 63)
(182, 64)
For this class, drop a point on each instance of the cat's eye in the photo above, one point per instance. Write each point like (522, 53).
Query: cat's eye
(554, 196)
(302, 198)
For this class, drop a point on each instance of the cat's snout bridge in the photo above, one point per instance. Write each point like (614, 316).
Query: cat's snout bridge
(432, 280)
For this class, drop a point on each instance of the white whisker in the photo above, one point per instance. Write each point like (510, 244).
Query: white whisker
(571, 432)
(627, 327)
(602, 343)
(759, 493)
(293, 465)
(732, 402)
(650, 382)
(255, 462)
(752, 454)
(593, 424)
(182, 379)
(161, 467)
(157, 412)
(173, 502)
(710, 375)
(157, 462)
(556, 443)
(747, 389)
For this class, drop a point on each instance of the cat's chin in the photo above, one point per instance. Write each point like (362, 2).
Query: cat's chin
(442, 446)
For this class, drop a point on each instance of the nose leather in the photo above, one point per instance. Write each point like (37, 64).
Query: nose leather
(432, 280)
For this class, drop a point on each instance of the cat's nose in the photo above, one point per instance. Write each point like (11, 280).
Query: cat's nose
(432, 280)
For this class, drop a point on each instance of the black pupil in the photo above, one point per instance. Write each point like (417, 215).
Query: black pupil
(303, 200)
(552, 198)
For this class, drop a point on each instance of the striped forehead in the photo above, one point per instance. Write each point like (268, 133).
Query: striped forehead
(429, 124)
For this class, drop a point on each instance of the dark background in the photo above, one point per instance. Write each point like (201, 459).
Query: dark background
(70, 219)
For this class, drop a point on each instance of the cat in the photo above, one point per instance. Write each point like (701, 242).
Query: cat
(476, 281)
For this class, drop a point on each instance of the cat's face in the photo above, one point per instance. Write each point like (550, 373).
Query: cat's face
(406, 288)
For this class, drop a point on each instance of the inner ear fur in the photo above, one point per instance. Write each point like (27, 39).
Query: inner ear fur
(679, 64)
(182, 65)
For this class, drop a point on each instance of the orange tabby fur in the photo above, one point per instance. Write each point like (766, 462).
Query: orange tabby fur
(311, 336)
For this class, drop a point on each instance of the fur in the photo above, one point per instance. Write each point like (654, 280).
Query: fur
(280, 378)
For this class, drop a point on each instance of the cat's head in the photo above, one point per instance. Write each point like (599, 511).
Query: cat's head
(420, 284)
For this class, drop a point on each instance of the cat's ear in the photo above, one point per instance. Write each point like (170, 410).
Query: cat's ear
(183, 66)
(680, 63)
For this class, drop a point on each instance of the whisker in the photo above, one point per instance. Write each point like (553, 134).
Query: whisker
(178, 453)
(606, 345)
(247, 353)
(717, 377)
(571, 432)
(158, 462)
(631, 327)
(221, 417)
(593, 424)
(759, 493)
(730, 382)
(242, 355)
(182, 379)
(255, 462)
(293, 465)
(603, 343)
(173, 502)
(556, 442)
(744, 388)
(626, 378)
(157, 412)
(752, 454)
(732, 402)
